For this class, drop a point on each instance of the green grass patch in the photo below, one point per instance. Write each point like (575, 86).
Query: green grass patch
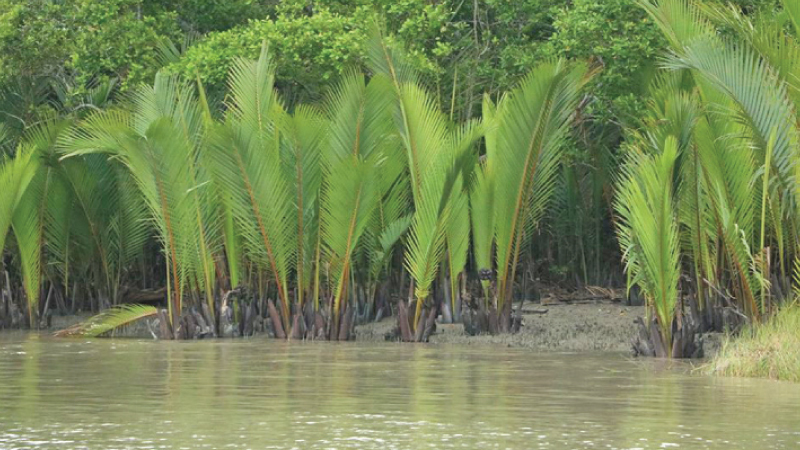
(769, 350)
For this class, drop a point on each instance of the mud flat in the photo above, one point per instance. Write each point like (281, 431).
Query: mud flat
(600, 327)
(578, 328)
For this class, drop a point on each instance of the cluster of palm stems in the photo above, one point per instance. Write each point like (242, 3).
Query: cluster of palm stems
(707, 199)
(296, 205)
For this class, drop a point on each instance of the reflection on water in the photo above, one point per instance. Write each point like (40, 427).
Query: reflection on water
(268, 394)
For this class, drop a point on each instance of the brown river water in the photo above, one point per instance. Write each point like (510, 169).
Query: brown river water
(261, 393)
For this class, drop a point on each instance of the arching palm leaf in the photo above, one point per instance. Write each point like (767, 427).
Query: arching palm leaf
(648, 231)
(531, 125)
(16, 174)
(158, 143)
(246, 160)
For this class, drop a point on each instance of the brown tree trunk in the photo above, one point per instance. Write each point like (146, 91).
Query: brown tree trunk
(164, 328)
(277, 324)
(430, 325)
(402, 321)
(344, 327)
(298, 327)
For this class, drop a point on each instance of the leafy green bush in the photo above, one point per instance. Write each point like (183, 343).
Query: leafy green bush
(202, 16)
(84, 39)
(618, 36)
(314, 47)
(310, 51)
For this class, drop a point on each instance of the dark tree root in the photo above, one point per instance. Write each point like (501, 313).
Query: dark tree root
(424, 328)
(403, 322)
(475, 322)
(277, 324)
(648, 341)
(312, 325)
(488, 321)
(687, 332)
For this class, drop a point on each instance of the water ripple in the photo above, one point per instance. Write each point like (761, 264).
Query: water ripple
(99, 394)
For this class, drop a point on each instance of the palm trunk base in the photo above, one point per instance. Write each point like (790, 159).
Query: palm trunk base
(480, 320)
(685, 341)
(312, 325)
(11, 315)
(426, 325)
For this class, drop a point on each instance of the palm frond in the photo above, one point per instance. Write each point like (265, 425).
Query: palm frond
(158, 142)
(28, 226)
(530, 136)
(385, 58)
(440, 156)
(458, 237)
(648, 231)
(245, 157)
(350, 195)
(481, 200)
(16, 174)
(768, 37)
(109, 320)
(761, 98)
(680, 21)
(304, 134)
(792, 9)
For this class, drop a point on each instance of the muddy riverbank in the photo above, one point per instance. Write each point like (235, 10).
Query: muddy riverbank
(586, 327)
(582, 327)
(602, 326)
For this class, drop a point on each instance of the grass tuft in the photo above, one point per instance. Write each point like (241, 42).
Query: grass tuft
(769, 350)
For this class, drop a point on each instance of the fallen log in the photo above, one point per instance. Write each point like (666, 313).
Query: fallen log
(146, 296)
(535, 311)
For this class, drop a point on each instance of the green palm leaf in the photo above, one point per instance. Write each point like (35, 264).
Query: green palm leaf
(648, 231)
(532, 123)
(245, 157)
(760, 97)
(457, 239)
(158, 142)
(350, 195)
(16, 174)
(437, 154)
(481, 199)
(304, 133)
(28, 226)
(109, 320)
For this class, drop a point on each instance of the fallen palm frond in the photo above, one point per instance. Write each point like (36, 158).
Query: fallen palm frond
(109, 320)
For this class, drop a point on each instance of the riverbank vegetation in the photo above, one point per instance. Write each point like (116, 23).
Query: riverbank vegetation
(765, 351)
(293, 165)
(294, 206)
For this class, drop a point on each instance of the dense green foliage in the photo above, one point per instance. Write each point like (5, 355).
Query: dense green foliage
(312, 202)
(722, 126)
(314, 150)
(484, 46)
(86, 40)
(63, 56)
